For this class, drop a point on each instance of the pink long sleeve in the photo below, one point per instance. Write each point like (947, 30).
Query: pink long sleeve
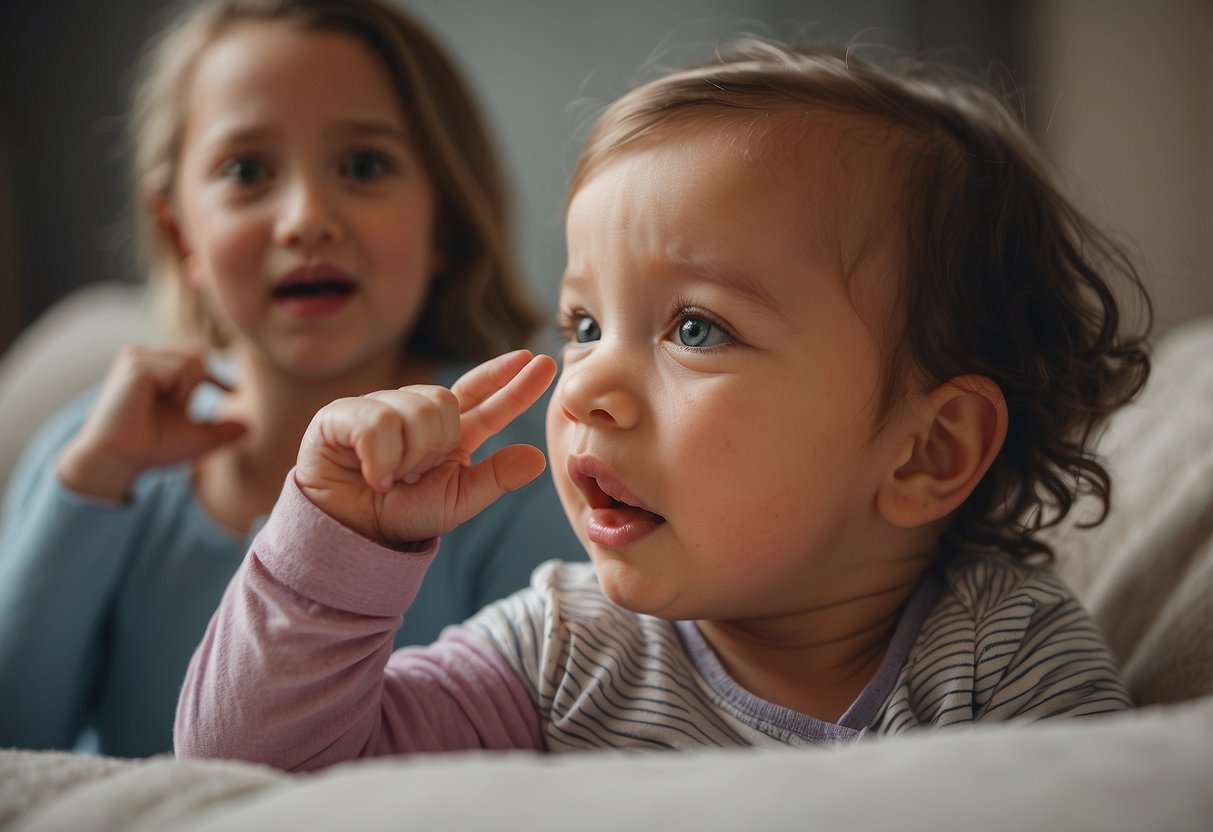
(296, 668)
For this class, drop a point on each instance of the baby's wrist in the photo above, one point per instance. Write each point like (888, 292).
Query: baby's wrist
(363, 525)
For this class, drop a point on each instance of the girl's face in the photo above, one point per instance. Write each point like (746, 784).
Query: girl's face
(302, 211)
(712, 433)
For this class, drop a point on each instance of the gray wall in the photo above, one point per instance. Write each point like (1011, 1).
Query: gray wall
(540, 68)
(1126, 90)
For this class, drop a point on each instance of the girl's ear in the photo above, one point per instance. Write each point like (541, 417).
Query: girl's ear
(952, 439)
(166, 221)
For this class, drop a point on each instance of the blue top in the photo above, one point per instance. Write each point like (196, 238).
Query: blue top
(102, 605)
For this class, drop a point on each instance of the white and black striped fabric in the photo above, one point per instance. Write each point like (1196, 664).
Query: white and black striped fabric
(986, 639)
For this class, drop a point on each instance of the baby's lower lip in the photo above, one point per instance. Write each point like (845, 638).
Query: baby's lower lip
(621, 526)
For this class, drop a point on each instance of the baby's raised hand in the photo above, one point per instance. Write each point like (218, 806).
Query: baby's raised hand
(396, 466)
(139, 420)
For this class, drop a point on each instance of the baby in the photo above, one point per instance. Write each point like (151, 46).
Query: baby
(835, 352)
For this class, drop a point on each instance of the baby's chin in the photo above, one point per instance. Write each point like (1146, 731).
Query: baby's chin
(626, 587)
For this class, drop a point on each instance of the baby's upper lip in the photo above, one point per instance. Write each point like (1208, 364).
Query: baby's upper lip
(599, 483)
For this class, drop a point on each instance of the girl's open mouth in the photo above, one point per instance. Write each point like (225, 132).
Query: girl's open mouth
(320, 288)
(313, 292)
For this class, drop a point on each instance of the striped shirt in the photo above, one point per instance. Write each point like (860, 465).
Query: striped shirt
(297, 668)
(989, 640)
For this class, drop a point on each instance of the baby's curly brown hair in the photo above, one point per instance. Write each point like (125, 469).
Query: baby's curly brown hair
(1002, 276)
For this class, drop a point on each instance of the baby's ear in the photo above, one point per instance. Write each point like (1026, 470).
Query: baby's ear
(951, 437)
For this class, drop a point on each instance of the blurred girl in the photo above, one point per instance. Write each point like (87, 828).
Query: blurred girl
(324, 213)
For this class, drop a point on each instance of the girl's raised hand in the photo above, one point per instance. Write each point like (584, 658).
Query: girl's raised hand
(140, 420)
(396, 466)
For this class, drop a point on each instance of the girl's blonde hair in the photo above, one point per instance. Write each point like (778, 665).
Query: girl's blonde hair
(1002, 276)
(477, 306)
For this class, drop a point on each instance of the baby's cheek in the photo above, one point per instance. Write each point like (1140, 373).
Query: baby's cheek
(735, 498)
(558, 457)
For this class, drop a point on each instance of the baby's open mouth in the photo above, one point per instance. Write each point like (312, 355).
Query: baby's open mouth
(617, 519)
(599, 496)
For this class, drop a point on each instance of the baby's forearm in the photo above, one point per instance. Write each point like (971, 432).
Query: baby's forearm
(296, 669)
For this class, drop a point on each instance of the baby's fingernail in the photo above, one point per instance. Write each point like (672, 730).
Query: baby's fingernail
(411, 478)
(386, 482)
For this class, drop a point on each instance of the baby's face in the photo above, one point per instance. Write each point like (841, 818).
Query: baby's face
(712, 433)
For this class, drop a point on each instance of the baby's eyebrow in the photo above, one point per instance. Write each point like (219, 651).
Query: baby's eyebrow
(698, 270)
(572, 280)
(732, 279)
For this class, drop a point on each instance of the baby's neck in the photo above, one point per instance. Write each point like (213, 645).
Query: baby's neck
(815, 662)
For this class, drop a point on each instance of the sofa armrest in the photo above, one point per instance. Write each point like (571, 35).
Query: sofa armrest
(65, 351)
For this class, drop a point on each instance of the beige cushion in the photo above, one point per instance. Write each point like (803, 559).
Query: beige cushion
(1146, 574)
(1139, 770)
(66, 350)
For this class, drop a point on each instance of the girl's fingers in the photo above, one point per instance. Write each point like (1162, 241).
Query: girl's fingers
(222, 384)
(189, 374)
(498, 391)
(197, 438)
(172, 374)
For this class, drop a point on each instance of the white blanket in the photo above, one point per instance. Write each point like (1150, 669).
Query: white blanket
(1149, 769)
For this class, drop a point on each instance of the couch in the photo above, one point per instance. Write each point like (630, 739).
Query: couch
(1146, 574)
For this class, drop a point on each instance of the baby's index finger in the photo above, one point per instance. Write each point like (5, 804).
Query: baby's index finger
(483, 380)
(509, 385)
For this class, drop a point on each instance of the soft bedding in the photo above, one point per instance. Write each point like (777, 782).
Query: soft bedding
(1144, 770)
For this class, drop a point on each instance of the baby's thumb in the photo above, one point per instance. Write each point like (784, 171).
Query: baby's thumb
(507, 470)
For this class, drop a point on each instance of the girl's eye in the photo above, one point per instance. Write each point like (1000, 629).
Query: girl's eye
(586, 329)
(245, 170)
(698, 332)
(365, 165)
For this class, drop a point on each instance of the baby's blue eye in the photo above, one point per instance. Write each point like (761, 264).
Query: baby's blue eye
(246, 171)
(364, 165)
(696, 332)
(587, 330)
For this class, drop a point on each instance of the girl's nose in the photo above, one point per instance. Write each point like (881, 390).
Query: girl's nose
(600, 389)
(308, 218)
